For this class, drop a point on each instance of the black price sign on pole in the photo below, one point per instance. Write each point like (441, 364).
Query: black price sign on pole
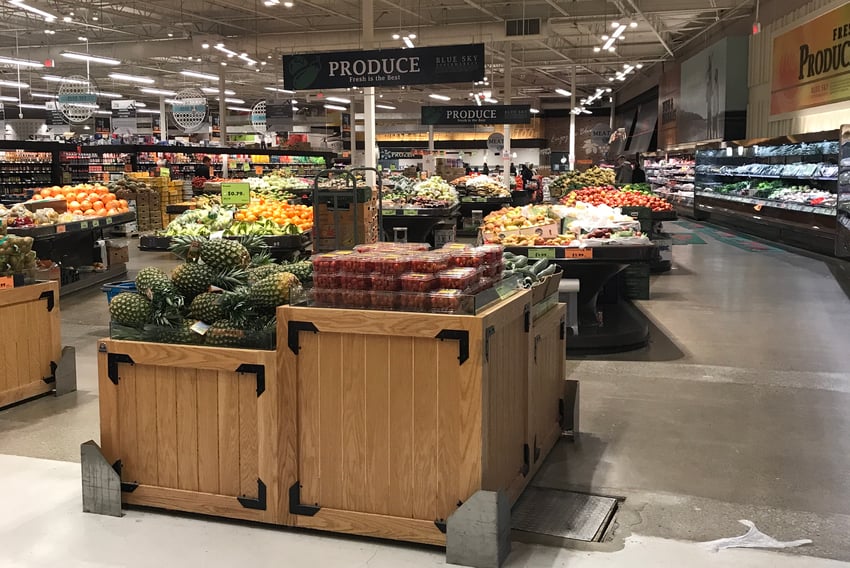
(384, 67)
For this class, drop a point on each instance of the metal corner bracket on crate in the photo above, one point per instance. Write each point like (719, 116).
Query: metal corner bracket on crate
(294, 328)
(295, 505)
(462, 337)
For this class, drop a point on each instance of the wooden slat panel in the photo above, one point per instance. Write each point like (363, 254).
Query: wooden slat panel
(380, 526)
(166, 427)
(38, 324)
(353, 423)
(24, 392)
(228, 433)
(26, 368)
(448, 423)
(402, 443)
(248, 457)
(309, 418)
(146, 423)
(191, 501)
(208, 428)
(107, 396)
(425, 416)
(198, 357)
(331, 425)
(187, 428)
(470, 400)
(128, 447)
(377, 434)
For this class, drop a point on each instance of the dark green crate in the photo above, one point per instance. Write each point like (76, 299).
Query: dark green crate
(636, 281)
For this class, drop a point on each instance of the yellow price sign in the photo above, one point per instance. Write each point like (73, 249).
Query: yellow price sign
(235, 193)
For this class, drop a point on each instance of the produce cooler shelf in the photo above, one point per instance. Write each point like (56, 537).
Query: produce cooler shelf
(43, 231)
(395, 212)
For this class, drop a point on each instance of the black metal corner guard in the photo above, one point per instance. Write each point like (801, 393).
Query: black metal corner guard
(293, 329)
(52, 377)
(526, 460)
(462, 337)
(258, 504)
(51, 299)
(441, 526)
(112, 361)
(126, 486)
(295, 506)
(259, 370)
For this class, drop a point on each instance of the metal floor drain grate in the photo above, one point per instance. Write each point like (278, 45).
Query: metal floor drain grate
(563, 514)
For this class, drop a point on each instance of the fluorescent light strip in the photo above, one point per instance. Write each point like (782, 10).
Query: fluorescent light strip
(103, 112)
(48, 17)
(221, 48)
(55, 79)
(619, 31)
(335, 107)
(277, 90)
(234, 101)
(534, 111)
(146, 110)
(19, 62)
(164, 92)
(563, 92)
(89, 58)
(9, 99)
(199, 75)
(407, 42)
(109, 95)
(491, 101)
(385, 107)
(440, 97)
(338, 100)
(131, 78)
(14, 84)
(213, 91)
(42, 95)
(27, 105)
(239, 109)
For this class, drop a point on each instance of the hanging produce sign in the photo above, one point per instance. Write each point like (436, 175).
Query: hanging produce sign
(811, 63)
(258, 117)
(189, 109)
(494, 114)
(54, 114)
(77, 99)
(279, 116)
(124, 117)
(384, 67)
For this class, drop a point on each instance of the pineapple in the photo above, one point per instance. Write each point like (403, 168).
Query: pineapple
(130, 309)
(274, 290)
(230, 279)
(303, 270)
(181, 334)
(223, 254)
(224, 333)
(152, 280)
(191, 279)
(260, 272)
(207, 307)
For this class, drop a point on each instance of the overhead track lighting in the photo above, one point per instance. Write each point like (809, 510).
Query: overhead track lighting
(131, 78)
(199, 75)
(42, 95)
(89, 58)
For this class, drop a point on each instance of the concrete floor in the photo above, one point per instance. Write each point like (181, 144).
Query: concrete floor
(735, 411)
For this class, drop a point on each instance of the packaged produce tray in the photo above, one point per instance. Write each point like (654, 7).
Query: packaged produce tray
(420, 211)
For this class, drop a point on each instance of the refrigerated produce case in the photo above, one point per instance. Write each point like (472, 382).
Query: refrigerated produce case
(842, 226)
(783, 189)
(672, 175)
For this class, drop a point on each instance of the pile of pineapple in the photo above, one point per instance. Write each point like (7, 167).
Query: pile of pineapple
(223, 294)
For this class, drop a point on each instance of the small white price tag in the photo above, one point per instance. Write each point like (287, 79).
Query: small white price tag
(200, 328)
(216, 235)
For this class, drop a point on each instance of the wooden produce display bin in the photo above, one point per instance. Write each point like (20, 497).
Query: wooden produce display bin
(33, 346)
(403, 416)
(194, 428)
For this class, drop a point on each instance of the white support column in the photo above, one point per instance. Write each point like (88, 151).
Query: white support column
(429, 164)
(352, 123)
(506, 152)
(222, 109)
(573, 120)
(163, 120)
(370, 158)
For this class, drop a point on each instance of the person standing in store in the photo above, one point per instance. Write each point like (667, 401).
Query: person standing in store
(623, 171)
(526, 174)
(486, 169)
(205, 170)
(638, 175)
(513, 169)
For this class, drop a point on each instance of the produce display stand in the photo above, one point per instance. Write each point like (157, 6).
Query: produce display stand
(73, 245)
(343, 217)
(379, 424)
(612, 324)
(420, 222)
(486, 205)
(33, 354)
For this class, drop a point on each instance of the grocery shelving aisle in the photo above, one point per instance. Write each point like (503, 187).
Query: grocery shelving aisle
(735, 411)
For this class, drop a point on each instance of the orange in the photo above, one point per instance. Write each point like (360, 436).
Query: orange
(112, 205)
(85, 204)
(74, 205)
(45, 192)
(82, 196)
(97, 205)
(88, 212)
(100, 212)
(108, 197)
(123, 202)
(36, 197)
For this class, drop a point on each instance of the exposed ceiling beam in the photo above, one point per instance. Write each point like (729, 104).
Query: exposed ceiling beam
(484, 10)
(401, 8)
(651, 27)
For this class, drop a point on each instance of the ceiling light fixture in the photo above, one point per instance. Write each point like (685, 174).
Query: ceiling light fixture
(48, 17)
(146, 110)
(563, 92)
(42, 95)
(9, 99)
(89, 58)
(440, 97)
(386, 107)
(94, 18)
(55, 79)
(408, 42)
(288, 4)
(131, 78)
(28, 105)
(278, 90)
(67, 19)
(15, 84)
(82, 38)
(338, 100)
(534, 111)
(163, 92)
(239, 109)
(49, 32)
(214, 91)
(335, 107)
(633, 24)
(109, 95)
(228, 52)
(205, 45)
(491, 100)
(20, 62)
(198, 75)
(234, 101)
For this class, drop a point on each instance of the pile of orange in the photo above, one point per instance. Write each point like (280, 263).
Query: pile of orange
(90, 200)
(280, 212)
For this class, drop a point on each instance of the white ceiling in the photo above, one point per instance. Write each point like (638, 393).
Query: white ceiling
(159, 38)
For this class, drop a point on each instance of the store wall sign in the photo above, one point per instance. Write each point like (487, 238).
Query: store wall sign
(811, 63)
(496, 142)
(384, 67)
(387, 154)
(279, 116)
(495, 114)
